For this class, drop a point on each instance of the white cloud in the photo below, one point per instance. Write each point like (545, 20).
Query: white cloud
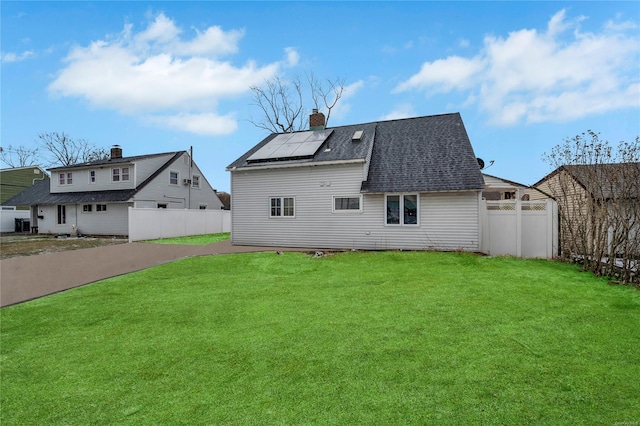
(8, 57)
(343, 107)
(529, 76)
(399, 112)
(159, 71)
(201, 124)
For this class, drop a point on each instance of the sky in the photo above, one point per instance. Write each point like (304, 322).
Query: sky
(167, 76)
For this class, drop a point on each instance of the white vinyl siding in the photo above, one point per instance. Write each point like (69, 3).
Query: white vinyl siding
(447, 221)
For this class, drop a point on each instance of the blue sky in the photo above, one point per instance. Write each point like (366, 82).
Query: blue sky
(165, 76)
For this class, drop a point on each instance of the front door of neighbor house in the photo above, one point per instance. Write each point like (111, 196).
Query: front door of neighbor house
(34, 219)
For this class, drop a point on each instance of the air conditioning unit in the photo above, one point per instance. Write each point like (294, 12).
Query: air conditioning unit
(186, 181)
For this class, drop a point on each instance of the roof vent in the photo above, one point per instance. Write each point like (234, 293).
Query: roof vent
(357, 136)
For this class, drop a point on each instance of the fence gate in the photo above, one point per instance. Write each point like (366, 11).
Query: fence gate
(526, 229)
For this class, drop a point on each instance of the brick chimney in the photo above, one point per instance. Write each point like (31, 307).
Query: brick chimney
(316, 120)
(116, 152)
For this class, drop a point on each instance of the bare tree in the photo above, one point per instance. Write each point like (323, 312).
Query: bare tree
(65, 151)
(597, 187)
(19, 156)
(328, 95)
(281, 100)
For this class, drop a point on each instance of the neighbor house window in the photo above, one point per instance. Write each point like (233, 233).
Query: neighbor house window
(62, 215)
(347, 204)
(195, 181)
(401, 209)
(87, 208)
(65, 178)
(173, 178)
(282, 207)
(119, 174)
(102, 208)
(92, 176)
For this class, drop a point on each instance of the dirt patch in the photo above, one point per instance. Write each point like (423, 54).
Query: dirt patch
(27, 245)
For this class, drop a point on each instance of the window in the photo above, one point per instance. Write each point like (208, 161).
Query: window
(195, 181)
(401, 209)
(347, 204)
(62, 215)
(65, 178)
(173, 178)
(120, 174)
(87, 208)
(92, 176)
(102, 208)
(282, 207)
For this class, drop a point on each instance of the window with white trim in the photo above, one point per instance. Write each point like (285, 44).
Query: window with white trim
(102, 208)
(174, 178)
(120, 174)
(92, 176)
(195, 181)
(347, 204)
(87, 208)
(65, 178)
(282, 207)
(401, 209)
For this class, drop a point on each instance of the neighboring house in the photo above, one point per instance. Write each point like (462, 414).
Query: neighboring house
(15, 180)
(597, 202)
(93, 198)
(401, 184)
(502, 189)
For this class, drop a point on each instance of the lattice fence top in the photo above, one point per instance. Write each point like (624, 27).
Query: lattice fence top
(512, 205)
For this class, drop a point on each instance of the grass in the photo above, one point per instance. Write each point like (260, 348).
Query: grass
(350, 338)
(200, 240)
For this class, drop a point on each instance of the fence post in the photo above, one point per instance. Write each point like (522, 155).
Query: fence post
(518, 225)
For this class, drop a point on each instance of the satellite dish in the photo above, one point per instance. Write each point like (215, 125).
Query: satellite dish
(480, 163)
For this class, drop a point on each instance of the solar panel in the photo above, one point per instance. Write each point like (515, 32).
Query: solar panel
(291, 145)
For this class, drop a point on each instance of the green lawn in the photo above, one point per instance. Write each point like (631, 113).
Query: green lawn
(373, 338)
(199, 240)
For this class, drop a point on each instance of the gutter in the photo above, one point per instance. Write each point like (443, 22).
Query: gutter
(292, 165)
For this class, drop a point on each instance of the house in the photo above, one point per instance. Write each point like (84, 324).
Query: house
(93, 198)
(15, 180)
(599, 205)
(400, 184)
(502, 189)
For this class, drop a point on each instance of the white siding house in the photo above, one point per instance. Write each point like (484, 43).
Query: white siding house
(400, 184)
(93, 198)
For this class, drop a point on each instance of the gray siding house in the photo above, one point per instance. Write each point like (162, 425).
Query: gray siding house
(400, 184)
(94, 198)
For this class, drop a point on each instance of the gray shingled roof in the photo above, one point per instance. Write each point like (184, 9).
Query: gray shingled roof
(109, 161)
(431, 153)
(604, 181)
(39, 194)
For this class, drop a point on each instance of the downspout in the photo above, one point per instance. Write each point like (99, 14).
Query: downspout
(190, 173)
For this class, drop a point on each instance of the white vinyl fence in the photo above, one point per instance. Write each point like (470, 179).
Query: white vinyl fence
(153, 224)
(8, 219)
(526, 229)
